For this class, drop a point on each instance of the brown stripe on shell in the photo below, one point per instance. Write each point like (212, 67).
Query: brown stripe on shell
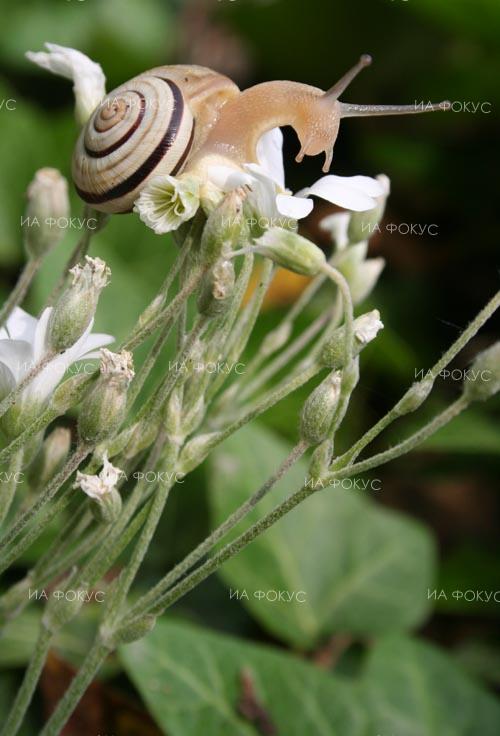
(124, 138)
(134, 180)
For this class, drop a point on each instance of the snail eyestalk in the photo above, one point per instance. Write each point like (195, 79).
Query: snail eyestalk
(343, 83)
(348, 110)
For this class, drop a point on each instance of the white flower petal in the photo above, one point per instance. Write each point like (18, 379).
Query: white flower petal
(294, 207)
(337, 225)
(94, 343)
(89, 82)
(17, 357)
(227, 178)
(351, 192)
(21, 325)
(367, 326)
(270, 155)
(39, 339)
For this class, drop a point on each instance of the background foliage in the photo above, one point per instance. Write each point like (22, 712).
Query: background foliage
(364, 651)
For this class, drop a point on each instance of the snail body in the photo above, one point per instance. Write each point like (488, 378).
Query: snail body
(173, 119)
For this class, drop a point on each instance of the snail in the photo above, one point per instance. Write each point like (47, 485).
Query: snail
(175, 118)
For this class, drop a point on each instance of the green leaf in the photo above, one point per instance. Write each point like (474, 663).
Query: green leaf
(415, 690)
(363, 569)
(191, 681)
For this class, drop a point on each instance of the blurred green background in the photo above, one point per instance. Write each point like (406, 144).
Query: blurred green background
(444, 172)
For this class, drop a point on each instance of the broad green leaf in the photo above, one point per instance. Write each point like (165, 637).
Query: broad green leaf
(191, 682)
(412, 689)
(362, 569)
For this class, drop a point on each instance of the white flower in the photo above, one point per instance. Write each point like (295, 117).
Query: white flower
(89, 82)
(269, 197)
(367, 326)
(97, 486)
(23, 345)
(168, 201)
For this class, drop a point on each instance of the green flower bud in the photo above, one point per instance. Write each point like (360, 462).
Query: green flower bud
(62, 607)
(224, 229)
(319, 409)
(103, 409)
(51, 456)
(291, 251)
(107, 509)
(275, 339)
(47, 212)
(75, 309)
(366, 328)
(363, 224)
(482, 380)
(415, 396)
(217, 289)
(69, 393)
(132, 632)
(195, 451)
(141, 436)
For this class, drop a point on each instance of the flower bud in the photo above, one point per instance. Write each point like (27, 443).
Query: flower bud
(141, 436)
(217, 289)
(196, 450)
(62, 607)
(76, 307)
(103, 410)
(291, 251)
(366, 328)
(51, 456)
(319, 409)
(363, 224)
(106, 502)
(69, 393)
(131, 632)
(483, 378)
(224, 229)
(275, 339)
(47, 212)
(414, 397)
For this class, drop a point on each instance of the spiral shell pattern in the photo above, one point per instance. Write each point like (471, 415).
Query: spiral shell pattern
(142, 129)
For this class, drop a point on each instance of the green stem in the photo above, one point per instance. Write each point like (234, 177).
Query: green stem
(18, 293)
(46, 496)
(343, 287)
(156, 509)
(9, 488)
(30, 680)
(200, 551)
(286, 356)
(73, 694)
(169, 313)
(406, 445)
(398, 410)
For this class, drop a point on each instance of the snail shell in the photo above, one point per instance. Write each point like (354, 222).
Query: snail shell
(146, 127)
